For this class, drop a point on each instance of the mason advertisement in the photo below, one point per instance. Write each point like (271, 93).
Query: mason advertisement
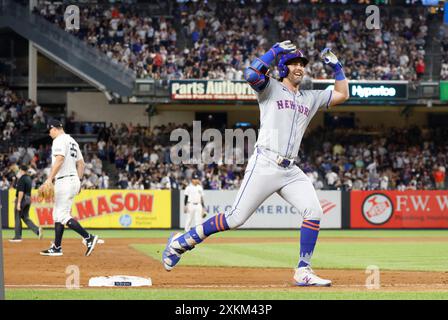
(274, 213)
(399, 209)
(145, 209)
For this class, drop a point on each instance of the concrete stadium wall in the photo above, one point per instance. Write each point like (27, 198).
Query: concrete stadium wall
(93, 106)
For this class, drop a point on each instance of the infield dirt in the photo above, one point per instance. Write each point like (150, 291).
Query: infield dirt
(25, 268)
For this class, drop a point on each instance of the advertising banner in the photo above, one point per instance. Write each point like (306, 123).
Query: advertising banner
(211, 90)
(144, 209)
(370, 90)
(399, 209)
(274, 213)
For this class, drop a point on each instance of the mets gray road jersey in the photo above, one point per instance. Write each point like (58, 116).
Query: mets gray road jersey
(285, 115)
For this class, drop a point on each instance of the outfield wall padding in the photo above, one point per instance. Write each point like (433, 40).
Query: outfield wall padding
(4, 208)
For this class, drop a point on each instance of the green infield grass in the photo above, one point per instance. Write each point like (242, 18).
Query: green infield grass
(158, 294)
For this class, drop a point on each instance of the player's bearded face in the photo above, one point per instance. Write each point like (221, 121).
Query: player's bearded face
(296, 72)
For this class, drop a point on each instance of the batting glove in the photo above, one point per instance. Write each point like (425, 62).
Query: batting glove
(284, 47)
(331, 60)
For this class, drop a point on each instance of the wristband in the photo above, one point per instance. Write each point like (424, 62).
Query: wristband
(338, 72)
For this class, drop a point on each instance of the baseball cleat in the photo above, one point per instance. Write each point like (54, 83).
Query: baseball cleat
(53, 251)
(40, 234)
(91, 243)
(171, 256)
(15, 240)
(305, 277)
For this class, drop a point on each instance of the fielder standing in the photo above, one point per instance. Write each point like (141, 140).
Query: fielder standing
(193, 203)
(285, 113)
(67, 170)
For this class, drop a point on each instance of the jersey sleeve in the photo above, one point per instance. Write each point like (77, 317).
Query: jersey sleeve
(321, 98)
(265, 94)
(187, 191)
(59, 147)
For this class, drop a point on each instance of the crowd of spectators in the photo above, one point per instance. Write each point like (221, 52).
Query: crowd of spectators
(221, 38)
(39, 163)
(395, 51)
(395, 159)
(443, 34)
(23, 117)
(18, 116)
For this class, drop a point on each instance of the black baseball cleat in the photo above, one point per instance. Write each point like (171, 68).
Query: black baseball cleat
(91, 243)
(53, 251)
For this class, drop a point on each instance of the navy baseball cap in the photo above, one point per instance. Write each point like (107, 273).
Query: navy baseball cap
(54, 123)
(195, 175)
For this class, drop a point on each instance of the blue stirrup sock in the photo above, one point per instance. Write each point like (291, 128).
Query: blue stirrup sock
(308, 238)
(190, 239)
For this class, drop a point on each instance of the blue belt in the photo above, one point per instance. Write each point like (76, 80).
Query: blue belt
(281, 161)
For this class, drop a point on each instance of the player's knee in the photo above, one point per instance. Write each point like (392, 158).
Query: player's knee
(313, 213)
(235, 219)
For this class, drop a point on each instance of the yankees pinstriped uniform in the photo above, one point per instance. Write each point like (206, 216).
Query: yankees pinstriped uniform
(67, 183)
(195, 194)
(67, 168)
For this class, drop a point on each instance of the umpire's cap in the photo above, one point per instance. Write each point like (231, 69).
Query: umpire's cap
(54, 123)
(288, 58)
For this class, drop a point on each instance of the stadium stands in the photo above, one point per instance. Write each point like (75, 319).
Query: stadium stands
(221, 38)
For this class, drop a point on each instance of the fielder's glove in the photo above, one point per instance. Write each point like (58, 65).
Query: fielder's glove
(46, 192)
(330, 59)
(284, 47)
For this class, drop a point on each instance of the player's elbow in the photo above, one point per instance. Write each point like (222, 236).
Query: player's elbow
(250, 75)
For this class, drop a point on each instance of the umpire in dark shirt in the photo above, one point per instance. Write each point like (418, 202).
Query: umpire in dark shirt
(22, 205)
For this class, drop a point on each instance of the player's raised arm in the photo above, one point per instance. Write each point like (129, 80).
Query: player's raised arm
(340, 92)
(256, 73)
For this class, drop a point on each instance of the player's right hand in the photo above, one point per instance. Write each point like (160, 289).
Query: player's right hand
(185, 209)
(284, 47)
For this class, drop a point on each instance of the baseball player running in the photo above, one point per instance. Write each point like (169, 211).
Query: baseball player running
(193, 202)
(67, 169)
(285, 112)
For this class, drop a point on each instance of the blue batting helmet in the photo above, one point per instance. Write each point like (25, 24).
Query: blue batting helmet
(284, 59)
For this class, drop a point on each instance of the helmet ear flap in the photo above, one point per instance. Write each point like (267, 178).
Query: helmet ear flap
(283, 70)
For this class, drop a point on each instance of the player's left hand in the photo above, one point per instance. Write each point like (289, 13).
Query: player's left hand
(46, 191)
(204, 213)
(330, 58)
